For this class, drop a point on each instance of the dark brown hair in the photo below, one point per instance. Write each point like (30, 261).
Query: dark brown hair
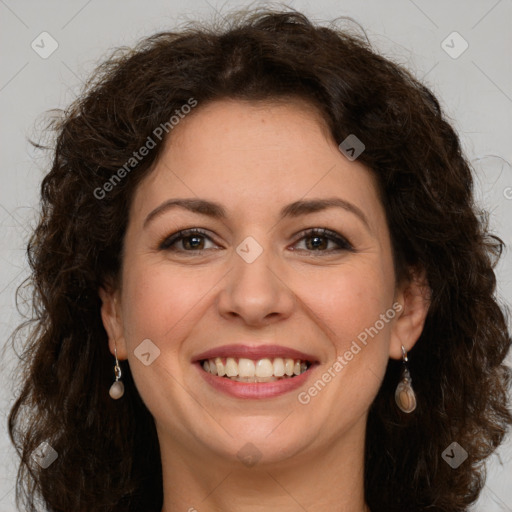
(108, 455)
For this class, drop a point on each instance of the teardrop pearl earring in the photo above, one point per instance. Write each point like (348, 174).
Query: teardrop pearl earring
(117, 389)
(405, 397)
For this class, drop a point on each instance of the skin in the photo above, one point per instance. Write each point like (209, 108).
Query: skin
(255, 158)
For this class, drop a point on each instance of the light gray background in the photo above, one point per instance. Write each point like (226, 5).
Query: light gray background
(475, 89)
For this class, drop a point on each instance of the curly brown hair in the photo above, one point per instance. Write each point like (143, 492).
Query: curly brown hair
(108, 453)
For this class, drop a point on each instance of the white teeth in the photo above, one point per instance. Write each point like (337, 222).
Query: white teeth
(264, 368)
(278, 367)
(248, 370)
(221, 370)
(231, 367)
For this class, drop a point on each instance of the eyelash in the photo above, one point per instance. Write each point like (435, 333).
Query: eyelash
(343, 243)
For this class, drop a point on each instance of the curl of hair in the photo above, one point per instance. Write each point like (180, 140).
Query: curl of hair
(108, 456)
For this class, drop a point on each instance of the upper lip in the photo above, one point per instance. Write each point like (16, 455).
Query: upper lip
(254, 352)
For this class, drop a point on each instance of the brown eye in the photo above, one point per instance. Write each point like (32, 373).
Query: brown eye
(191, 240)
(318, 240)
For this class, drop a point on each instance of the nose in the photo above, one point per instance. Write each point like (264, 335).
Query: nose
(256, 293)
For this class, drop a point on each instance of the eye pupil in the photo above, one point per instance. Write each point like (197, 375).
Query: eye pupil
(194, 241)
(318, 241)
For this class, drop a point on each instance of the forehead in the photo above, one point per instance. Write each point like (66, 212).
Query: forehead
(255, 156)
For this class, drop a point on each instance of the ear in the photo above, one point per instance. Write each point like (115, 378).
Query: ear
(414, 296)
(112, 320)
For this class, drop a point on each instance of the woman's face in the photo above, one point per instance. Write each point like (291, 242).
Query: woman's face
(253, 278)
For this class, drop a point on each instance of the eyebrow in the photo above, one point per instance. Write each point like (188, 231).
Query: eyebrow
(295, 209)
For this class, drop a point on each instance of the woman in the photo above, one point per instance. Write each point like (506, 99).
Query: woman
(260, 283)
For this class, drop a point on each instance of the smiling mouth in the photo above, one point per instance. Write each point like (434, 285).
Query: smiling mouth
(251, 370)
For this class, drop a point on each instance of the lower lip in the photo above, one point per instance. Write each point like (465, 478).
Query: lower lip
(255, 389)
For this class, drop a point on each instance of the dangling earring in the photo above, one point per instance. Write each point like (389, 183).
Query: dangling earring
(405, 397)
(117, 389)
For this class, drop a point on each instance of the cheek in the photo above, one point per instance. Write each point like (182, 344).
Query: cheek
(347, 301)
(159, 303)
